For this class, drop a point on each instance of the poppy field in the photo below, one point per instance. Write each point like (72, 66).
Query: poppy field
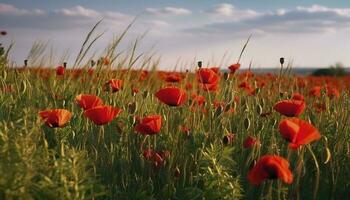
(114, 130)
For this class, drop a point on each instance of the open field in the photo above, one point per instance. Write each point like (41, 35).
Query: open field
(206, 133)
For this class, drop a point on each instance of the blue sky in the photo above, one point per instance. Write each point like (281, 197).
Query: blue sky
(308, 33)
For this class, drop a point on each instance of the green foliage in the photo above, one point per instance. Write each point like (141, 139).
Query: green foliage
(333, 70)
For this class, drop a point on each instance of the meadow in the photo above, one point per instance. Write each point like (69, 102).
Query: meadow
(119, 128)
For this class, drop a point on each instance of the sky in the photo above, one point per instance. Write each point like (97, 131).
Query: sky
(180, 32)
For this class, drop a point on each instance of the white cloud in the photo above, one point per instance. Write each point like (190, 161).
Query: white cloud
(78, 11)
(8, 9)
(313, 19)
(222, 9)
(168, 11)
(319, 9)
(226, 11)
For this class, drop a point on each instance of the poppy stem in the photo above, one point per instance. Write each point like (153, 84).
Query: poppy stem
(317, 172)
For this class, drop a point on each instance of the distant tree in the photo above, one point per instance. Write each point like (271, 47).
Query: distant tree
(334, 70)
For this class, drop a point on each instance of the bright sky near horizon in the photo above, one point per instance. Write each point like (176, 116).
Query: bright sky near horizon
(311, 33)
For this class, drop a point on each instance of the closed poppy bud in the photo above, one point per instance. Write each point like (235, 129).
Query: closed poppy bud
(177, 172)
(290, 108)
(3, 33)
(228, 139)
(270, 167)
(250, 142)
(149, 125)
(60, 71)
(87, 101)
(56, 117)
(171, 96)
(282, 61)
(101, 115)
(298, 132)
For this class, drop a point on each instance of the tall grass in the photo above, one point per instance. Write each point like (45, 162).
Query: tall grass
(85, 161)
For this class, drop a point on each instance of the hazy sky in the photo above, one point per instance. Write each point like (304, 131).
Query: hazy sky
(311, 33)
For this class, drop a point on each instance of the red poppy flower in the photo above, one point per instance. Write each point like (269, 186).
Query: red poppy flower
(298, 96)
(101, 115)
(171, 96)
(210, 87)
(134, 90)
(207, 76)
(87, 101)
(115, 84)
(315, 91)
(188, 86)
(332, 92)
(157, 158)
(298, 132)
(105, 61)
(234, 67)
(215, 69)
(173, 77)
(320, 107)
(250, 142)
(56, 117)
(270, 167)
(290, 108)
(149, 125)
(60, 70)
(197, 100)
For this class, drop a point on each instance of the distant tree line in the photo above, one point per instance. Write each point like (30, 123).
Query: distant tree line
(334, 70)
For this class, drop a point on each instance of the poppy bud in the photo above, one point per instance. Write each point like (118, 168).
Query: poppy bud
(282, 61)
(25, 63)
(199, 64)
(65, 64)
(92, 62)
(228, 139)
(3, 33)
(177, 172)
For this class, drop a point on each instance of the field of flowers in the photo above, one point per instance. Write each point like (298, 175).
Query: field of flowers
(106, 131)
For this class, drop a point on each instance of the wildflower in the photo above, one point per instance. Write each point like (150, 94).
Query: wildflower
(234, 67)
(101, 115)
(270, 167)
(298, 96)
(56, 117)
(290, 108)
(60, 70)
(88, 101)
(171, 96)
(315, 91)
(298, 132)
(149, 125)
(207, 76)
(114, 84)
(250, 142)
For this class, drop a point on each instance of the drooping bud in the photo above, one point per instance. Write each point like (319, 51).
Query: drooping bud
(199, 64)
(282, 60)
